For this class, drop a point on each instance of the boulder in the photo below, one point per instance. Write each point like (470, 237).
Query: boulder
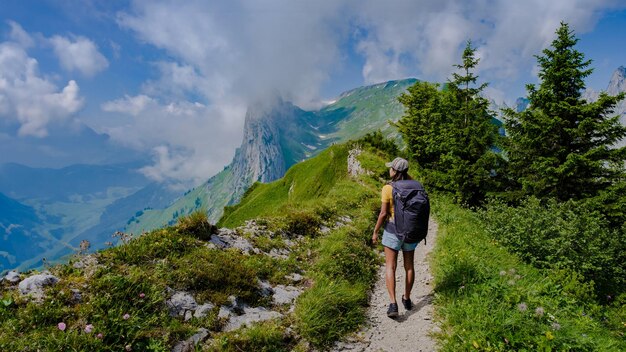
(295, 277)
(189, 345)
(266, 288)
(180, 303)
(203, 310)
(224, 313)
(249, 316)
(12, 277)
(34, 285)
(285, 294)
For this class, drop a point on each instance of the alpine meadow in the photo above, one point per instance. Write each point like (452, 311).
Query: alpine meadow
(274, 251)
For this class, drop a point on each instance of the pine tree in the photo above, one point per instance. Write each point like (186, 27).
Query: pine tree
(476, 161)
(562, 145)
(450, 133)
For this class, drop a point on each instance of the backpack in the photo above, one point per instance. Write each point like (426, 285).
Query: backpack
(411, 211)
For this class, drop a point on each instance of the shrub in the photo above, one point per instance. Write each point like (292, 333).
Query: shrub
(302, 223)
(197, 225)
(563, 235)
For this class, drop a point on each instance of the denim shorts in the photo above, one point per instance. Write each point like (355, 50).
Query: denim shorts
(390, 240)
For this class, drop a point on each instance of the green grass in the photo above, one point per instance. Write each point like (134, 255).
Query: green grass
(134, 277)
(302, 186)
(489, 300)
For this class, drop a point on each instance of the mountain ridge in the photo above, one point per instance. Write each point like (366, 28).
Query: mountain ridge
(288, 134)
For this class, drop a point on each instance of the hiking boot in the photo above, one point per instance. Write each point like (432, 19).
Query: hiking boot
(392, 311)
(408, 305)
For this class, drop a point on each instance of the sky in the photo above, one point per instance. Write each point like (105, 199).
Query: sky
(169, 81)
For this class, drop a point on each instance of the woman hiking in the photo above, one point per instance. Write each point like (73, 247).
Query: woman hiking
(403, 236)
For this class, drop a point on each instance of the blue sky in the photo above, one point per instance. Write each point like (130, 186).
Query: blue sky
(172, 79)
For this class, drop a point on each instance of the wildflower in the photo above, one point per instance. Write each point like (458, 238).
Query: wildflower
(126, 316)
(502, 272)
(142, 295)
(556, 326)
(512, 271)
(99, 336)
(539, 311)
(522, 307)
(128, 348)
(88, 328)
(61, 326)
(511, 282)
(517, 277)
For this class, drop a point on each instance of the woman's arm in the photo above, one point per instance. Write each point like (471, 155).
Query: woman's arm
(382, 216)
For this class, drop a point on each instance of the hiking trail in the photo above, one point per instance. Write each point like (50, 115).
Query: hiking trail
(411, 330)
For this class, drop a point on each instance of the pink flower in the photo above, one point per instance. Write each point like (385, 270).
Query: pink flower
(126, 316)
(61, 326)
(88, 328)
(99, 336)
(142, 295)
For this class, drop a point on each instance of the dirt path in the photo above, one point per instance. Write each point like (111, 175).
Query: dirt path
(411, 330)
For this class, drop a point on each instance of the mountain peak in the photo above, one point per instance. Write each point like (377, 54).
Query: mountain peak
(618, 81)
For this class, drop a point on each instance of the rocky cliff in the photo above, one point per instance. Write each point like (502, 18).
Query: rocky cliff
(277, 135)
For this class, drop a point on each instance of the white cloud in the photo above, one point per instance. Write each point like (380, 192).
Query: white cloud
(128, 105)
(28, 98)
(426, 37)
(228, 53)
(19, 35)
(190, 141)
(78, 54)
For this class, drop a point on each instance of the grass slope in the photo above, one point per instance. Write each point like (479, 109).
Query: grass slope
(124, 293)
(489, 300)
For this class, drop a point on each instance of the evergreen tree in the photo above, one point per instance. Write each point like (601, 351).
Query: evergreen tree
(450, 133)
(561, 145)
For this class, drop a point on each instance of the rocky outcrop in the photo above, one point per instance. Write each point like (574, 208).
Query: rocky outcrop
(249, 316)
(189, 345)
(33, 286)
(12, 277)
(354, 165)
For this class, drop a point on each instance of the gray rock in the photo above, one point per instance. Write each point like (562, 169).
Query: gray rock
(226, 238)
(285, 294)
(188, 315)
(217, 241)
(224, 313)
(279, 253)
(203, 310)
(180, 303)
(33, 286)
(354, 166)
(324, 230)
(266, 288)
(251, 315)
(12, 277)
(236, 305)
(190, 344)
(295, 277)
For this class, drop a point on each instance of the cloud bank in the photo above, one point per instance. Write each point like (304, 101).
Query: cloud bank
(28, 98)
(228, 53)
(78, 54)
(32, 99)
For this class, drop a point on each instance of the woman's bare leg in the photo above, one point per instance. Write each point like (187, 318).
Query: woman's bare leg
(410, 272)
(391, 258)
